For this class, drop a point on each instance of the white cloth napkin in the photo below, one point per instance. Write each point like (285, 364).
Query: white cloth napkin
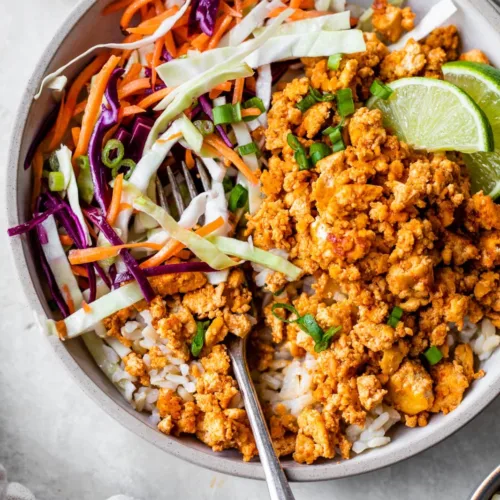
(16, 491)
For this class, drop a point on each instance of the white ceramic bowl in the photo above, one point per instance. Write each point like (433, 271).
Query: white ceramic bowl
(86, 27)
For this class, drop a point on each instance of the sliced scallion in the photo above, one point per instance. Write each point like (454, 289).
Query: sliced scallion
(113, 146)
(319, 97)
(380, 89)
(334, 61)
(304, 104)
(227, 183)
(206, 127)
(395, 316)
(227, 113)
(237, 198)
(345, 102)
(199, 338)
(84, 180)
(308, 324)
(248, 149)
(56, 181)
(254, 102)
(53, 162)
(338, 145)
(293, 142)
(433, 355)
(302, 159)
(318, 151)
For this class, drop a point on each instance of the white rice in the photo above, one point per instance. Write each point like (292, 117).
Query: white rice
(287, 382)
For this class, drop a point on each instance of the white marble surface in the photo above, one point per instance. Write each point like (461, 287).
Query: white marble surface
(62, 446)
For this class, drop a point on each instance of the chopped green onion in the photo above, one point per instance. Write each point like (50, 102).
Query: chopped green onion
(227, 183)
(237, 198)
(327, 338)
(199, 338)
(380, 89)
(345, 102)
(302, 160)
(227, 113)
(338, 145)
(248, 149)
(392, 321)
(397, 312)
(45, 174)
(319, 97)
(308, 324)
(56, 181)
(84, 180)
(288, 307)
(254, 102)
(206, 127)
(334, 61)
(53, 163)
(395, 316)
(304, 104)
(279, 292)
(433, 355)
(293, 142)
(319, 150)
(127, 163)
(113, 145)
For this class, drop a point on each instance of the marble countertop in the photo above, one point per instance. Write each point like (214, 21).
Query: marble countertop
(61, 445)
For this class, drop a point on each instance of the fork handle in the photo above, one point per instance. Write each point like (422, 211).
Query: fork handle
(279, 489)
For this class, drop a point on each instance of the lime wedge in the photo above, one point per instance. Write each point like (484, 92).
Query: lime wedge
(482, 83)
(434, 115)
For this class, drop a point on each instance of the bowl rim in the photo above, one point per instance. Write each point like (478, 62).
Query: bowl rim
(332, 469)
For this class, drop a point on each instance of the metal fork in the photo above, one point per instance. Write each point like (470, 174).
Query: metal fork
(277, 483)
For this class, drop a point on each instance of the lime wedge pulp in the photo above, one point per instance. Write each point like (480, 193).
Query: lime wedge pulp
(434, 115)
(482, 83)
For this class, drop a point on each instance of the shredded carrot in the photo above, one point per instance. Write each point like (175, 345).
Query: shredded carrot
(134, 87)
(149, 26)
(170, 44)
(114, 206)
(307, 4)
(37, 167)
(250, 112)
(295, 4)
(93, 105)
(59, 126)
(86, 307)
(124, 206)
(115, 6)
(72, 96)
(239, 83)
(68, 299)
(126, 53)
(155, 97)
(238, 5)
(183, 34)
(144, 13)
(66, 239)
(183, 50)
(155, 61)
(214, 93)
(171, 137)
(94, 254)
(248, 3)
(173, 247)
(75, 134)
(131, 11)
(224, 24)
(80, 271)
(232, 156)
(80, 107)
(227, 9)
(132, 110)
(200, 42)
(298, 14)
(159, 7)
(189, 159)
(132, 74)
(250, 83)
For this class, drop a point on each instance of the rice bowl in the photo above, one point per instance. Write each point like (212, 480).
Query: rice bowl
(175, 375)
